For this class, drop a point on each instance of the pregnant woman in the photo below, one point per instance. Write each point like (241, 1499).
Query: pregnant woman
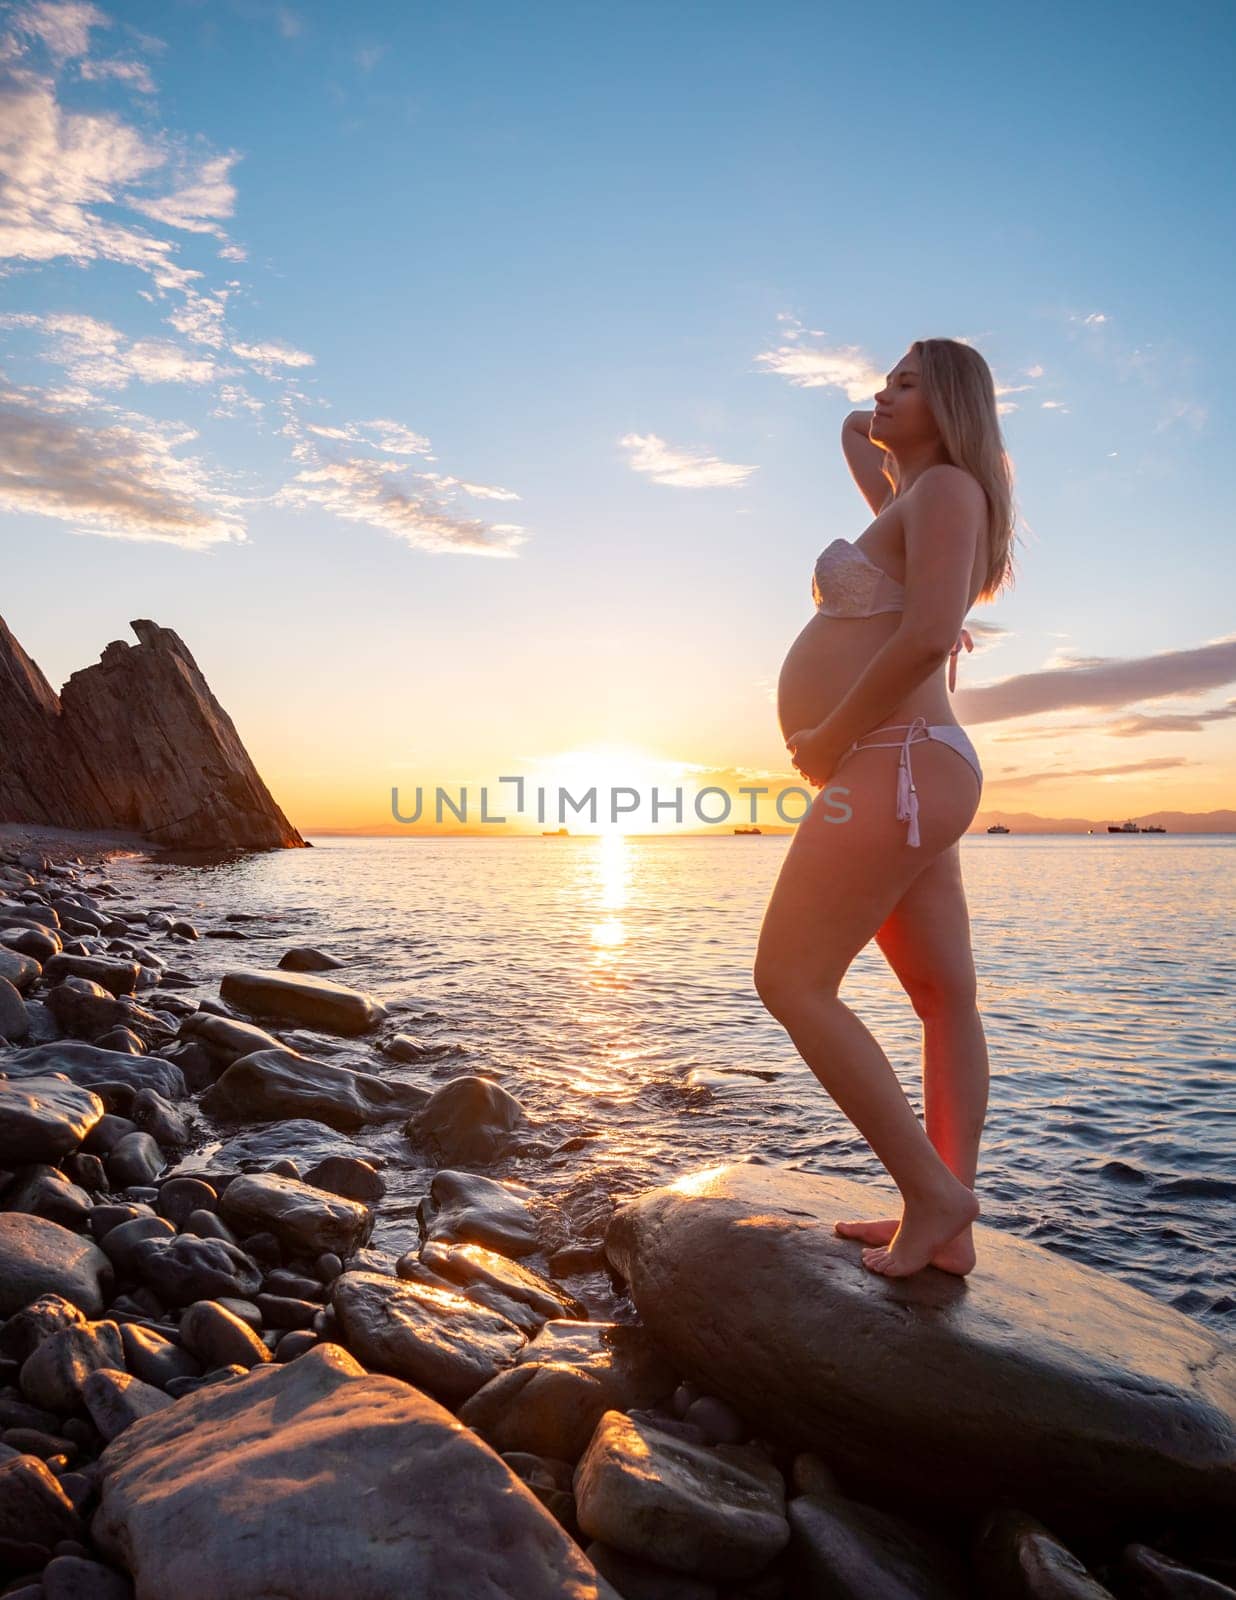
(864, 709)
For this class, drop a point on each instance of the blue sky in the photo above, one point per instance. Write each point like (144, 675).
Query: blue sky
(463, 382)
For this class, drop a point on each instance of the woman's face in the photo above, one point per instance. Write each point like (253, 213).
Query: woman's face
(902, 418)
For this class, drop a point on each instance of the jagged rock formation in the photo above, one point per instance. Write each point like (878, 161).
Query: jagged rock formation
(136, 742)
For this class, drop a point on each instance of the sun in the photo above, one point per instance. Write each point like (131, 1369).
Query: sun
(624, 777)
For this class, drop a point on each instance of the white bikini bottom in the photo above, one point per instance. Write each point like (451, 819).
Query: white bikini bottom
(907, 794)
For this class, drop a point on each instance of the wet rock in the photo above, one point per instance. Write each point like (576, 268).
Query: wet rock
(87, 1171)
(43, 1118)
(136, 1160)
(469, 1208)
(246, 1310)
(120, 1244)
(117, 977)
(14, 1018)
(188, 1268)
(468, 1120)
(301, 958)
(87, 1065)
(283, 1312)
(855, 1552)
(562, 1384)
(85, 1010)
(122, 1040)
(209, 1225)
(218, 1338)
(296, 997)
(403, 1047)
(53, 1374)
(20, 955)
(225, 1038)
(116, 1399)
(109, 1214)
(271, 1084)
(153, 1358)
(436, 1339)
(716, 1512)
(22, 1334)
(295, 1343)
(34, 1509)
(348, 1176)
(257, 1149)
(640, 1580)
(719, 1423)
(306, 1220)
(47, 1446)
(39, 1257)
(1008, 1386)
(160, 1119)
(1155, 1576)
(178, 1197)
(359, 1474)
(107, 1133)
(76, 1578)
(43, 1191)
(328, 1267)
(493, 1280)
(1017, 1557)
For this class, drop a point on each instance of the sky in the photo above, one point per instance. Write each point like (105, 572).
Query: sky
(463, 382)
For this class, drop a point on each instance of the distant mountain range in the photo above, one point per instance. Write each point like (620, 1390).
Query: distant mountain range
(1173, 821)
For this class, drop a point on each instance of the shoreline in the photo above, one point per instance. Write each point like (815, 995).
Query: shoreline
(158, 1315)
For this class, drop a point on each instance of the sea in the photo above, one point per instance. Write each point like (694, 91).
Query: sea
(606, 983)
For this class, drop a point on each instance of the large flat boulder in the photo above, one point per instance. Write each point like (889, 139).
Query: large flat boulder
(316, 1479)
(272, 1084)
(297, 997)
(1036, 1380)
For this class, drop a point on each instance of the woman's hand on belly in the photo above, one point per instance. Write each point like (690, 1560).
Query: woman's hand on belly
(816, 753)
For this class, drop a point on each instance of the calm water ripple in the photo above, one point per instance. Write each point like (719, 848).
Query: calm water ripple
(607, 984)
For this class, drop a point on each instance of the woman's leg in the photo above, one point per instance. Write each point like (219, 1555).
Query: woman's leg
(839, 882)
(926, 941)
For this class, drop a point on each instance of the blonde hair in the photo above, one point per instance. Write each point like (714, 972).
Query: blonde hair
(961, 396)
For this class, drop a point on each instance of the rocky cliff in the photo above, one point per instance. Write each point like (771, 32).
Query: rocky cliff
(136, 742)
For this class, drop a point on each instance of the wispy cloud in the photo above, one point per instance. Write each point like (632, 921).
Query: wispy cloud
(122, 480)
(204, 195)
(270, 356)
(64, 27)
(134, 74)
(379, 493)
(1135, 725)
(97, 355)
(1023, 779)
(83, 187)
(681, 469)
(821, 366)
(1103, 682)
(848, 367)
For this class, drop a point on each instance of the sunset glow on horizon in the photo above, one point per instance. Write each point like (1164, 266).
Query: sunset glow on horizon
(468, 397)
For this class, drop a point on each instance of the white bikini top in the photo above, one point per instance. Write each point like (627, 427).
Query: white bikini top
(846, 583)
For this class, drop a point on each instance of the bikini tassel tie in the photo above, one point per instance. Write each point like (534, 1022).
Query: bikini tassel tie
(907, 794)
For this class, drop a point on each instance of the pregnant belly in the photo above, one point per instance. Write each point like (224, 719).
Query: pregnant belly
(823, 662)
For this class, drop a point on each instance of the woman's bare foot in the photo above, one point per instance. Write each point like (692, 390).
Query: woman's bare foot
(957, 1256)
(926, 1227)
